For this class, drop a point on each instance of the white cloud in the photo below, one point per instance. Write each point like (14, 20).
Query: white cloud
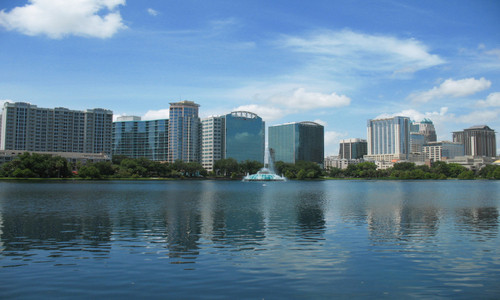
(479, 117)
(267, 113)
(152, 12)
(494, 52)
(156, 114)
(223, 23)
(332, 141)
(417, 116)
(321, 122)
(493, 99)
(301, 99)
(452, 88)
(347, 50)
(59, 18)
(2, 102)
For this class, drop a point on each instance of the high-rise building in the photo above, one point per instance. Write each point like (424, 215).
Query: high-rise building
(388, 139)
(212, 144)
(141, 139)
(1, 113)
(244, 136)
(300, 141)
(477, 140)
(184, 132)
(417, 142)
(239, 135)
(426, 128)
(30, 128)
(353, 148)
(437, 151)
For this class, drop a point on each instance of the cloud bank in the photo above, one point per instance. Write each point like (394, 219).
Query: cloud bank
(492, 100)
(452, 88)
(276, 102)
(350, 50)
(59, 18)
(302, 99)
(156, 114)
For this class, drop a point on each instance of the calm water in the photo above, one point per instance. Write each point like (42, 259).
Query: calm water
(213, 239)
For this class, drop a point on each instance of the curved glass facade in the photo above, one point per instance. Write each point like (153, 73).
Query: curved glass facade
(244, 137)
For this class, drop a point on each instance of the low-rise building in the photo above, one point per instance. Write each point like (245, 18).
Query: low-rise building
(443, 150)
(472, 162)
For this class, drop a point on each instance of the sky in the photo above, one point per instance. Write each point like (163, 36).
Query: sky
(335, 62)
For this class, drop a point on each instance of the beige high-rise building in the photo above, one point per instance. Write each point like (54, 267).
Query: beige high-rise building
(184, 132)
(31, 128)
(477, 140)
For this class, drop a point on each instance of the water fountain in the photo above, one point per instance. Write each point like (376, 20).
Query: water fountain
(265, 174)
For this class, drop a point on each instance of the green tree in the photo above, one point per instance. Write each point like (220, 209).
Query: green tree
(301, 174)
(335, 172)
(250, 167)
(441, 168)
(490, 172)
(226, 166)
(105, 168)
(455, 169)
(89, 171)
(467, 174)
(404, 166)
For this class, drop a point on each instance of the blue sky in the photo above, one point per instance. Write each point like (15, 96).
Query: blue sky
(338, 63)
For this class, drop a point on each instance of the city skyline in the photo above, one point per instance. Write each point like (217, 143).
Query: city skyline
(336, 63)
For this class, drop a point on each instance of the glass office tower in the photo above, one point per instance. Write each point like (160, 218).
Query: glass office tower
(184, 132)
(292, 142)
(141, 139)
(239, 135)
(244, 136)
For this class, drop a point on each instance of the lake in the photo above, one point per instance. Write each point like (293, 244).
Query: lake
(249, 240)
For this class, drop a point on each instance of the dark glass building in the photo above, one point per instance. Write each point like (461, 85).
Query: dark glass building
(244, 136)
(293, 142)
(141, 139)
(239, 135)
(353, 148)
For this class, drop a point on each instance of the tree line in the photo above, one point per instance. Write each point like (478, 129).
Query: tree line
(37, 165)
(408, 170)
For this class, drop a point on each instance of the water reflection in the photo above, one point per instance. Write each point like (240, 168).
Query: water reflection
(482, 221)
(307, 233)
(311, 214)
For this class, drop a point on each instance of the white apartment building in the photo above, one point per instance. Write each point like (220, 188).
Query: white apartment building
(388, 139)
(212, 141)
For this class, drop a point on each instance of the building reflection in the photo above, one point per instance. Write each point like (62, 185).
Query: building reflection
(183, 224)
(480, 220)
(311, 215)
(28, 223)
(397, 218)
